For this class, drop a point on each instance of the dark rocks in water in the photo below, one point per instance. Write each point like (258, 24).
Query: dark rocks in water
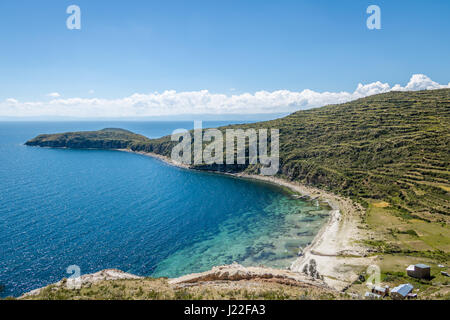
(305, 234)
(301, 197)
(265, 255)
(309, 219)
(292, 245)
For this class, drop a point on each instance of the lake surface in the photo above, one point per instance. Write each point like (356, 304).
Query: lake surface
(110, 209)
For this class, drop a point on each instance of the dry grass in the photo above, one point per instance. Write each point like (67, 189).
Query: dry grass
(158, 289)
(406, 233)
(381, 204)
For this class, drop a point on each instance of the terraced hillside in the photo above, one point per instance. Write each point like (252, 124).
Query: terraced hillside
(392, 148)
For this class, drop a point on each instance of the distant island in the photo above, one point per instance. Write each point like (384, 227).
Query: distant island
(382, 162)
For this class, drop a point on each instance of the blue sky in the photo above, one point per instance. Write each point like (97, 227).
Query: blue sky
(227, 47)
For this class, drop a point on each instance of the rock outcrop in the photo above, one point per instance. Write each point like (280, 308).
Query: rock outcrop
(236, 272)
(104, 275)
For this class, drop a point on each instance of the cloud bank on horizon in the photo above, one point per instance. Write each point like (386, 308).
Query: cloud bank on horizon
(171, 102)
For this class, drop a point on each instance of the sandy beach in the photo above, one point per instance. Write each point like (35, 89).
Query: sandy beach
(337, 248)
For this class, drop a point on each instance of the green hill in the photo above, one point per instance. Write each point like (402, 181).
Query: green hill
(110, 138)
(392, 147)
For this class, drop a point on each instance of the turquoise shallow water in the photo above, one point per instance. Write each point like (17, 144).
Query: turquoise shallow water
(110, 209)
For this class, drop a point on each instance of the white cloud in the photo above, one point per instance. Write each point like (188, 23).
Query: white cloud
(54, 95)
(12, 101)
(420, 82)
(171, 102)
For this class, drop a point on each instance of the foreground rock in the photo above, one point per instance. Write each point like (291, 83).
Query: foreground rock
(224, 282)
(236, 272)
(104, 275)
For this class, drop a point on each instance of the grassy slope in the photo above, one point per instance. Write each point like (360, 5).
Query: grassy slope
(160, 289)
(394, 147)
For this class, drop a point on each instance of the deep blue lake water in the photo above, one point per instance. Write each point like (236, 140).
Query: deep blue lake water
(111, 209)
